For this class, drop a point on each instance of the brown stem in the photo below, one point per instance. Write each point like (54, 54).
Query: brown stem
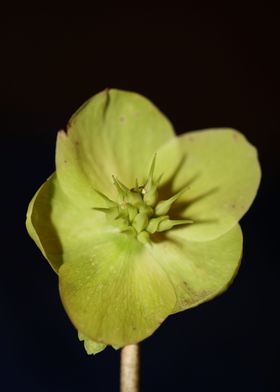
(130, 366)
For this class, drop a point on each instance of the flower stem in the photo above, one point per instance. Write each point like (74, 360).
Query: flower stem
(130, 366)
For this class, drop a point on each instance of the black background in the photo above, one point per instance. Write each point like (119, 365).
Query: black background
(204, 66)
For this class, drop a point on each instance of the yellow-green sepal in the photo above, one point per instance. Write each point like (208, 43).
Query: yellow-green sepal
(102, 137)
(55, 223)
(199, 271)
(115, 292)
(220, 171)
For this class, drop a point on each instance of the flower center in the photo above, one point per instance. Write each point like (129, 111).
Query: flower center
(139, 211)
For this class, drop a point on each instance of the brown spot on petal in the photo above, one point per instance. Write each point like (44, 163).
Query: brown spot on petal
(62, 134)
(195, 297)
(122, 119)
(235, 136)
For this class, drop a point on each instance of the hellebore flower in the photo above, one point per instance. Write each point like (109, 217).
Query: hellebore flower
(137, 222)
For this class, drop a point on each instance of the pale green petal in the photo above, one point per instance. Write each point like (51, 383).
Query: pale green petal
(29, 225)
(91, 346)
(199, 270)
(39, 223)
(102, 270)
(221, 173)
(114, 133)
(115, 292)
(73, 179)
(55, 223)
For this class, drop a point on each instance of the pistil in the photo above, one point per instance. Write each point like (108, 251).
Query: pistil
(138, 211)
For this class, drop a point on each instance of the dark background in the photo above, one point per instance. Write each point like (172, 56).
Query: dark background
(202, 66)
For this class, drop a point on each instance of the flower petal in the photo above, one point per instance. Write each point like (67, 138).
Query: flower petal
(54, 222)
(39, 225)
(114, 292)
(114, 133)
(199, 271)
(221, 173)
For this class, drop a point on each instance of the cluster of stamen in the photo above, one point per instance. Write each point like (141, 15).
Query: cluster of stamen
(138, 210)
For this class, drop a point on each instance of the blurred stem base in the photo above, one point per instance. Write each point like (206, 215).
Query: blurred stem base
(130, 368)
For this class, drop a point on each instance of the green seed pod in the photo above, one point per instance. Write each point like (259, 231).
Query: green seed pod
(144, 237)
(132, 212)
(111, 213)
(151, 196)
(164, 206)
(146, 210)
(134, 198)
(169, 223)
(140, 222)
(122, 223)
(153, 224)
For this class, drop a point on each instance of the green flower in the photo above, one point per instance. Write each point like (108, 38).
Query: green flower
(137, 222)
